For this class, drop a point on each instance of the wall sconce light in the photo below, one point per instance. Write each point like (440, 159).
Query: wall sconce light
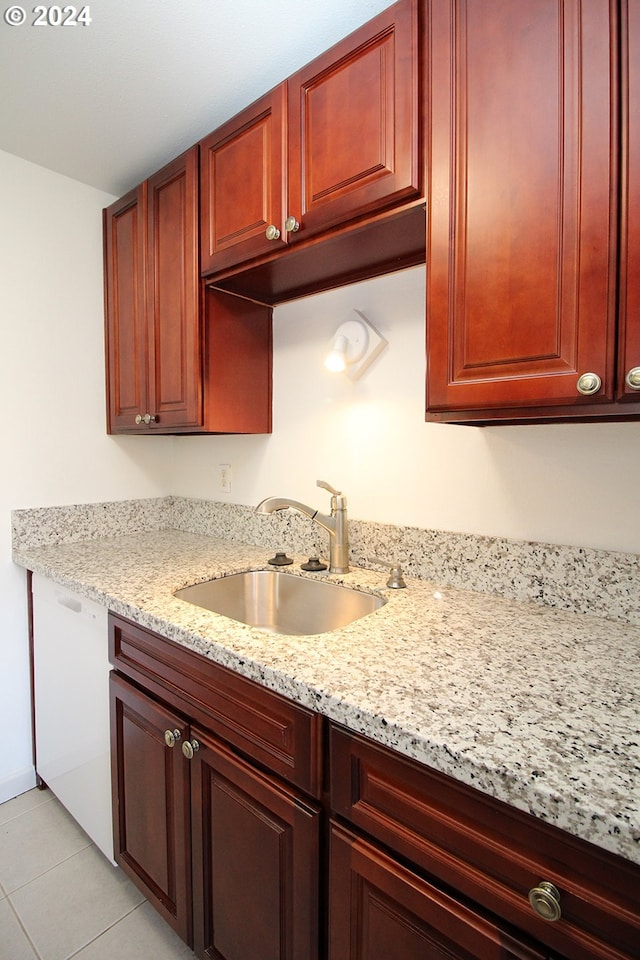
(356, 343)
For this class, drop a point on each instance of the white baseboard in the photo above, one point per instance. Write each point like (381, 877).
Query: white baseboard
(18, 783)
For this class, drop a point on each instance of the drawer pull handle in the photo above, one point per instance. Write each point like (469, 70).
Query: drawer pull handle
(170, 737)
(189, 747)
(545, 900)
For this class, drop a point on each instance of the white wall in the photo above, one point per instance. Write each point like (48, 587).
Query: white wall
(569, 484)
(52, 430)
(573, 484)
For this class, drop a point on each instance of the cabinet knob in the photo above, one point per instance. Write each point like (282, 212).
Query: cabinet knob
(170, 737)
(189, 747)
(588, 384)
(272, 232)
(147, 418)
(545, 900)
(291, 225)
(632, 378)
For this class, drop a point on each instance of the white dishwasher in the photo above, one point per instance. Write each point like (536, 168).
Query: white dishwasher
(71, 681)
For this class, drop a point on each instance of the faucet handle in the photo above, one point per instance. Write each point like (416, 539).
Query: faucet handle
(396, 580)
(327, 486)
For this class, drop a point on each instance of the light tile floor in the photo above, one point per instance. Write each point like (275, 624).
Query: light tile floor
(60, 897)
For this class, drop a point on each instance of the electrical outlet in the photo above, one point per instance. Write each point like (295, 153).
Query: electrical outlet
(225, 477)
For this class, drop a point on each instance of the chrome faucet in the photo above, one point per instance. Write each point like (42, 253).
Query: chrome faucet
(335, 524)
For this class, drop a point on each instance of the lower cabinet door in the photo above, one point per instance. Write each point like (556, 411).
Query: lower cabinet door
(151, 801)
(379, 910)
(255, 861)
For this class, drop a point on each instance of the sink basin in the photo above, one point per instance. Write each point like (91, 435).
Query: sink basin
(281, 602)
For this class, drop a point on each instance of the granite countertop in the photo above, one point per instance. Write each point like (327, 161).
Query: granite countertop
(534, 706)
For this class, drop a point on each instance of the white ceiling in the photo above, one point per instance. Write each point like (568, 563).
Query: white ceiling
(109, 103)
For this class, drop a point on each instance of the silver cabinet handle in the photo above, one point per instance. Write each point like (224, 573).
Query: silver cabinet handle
(545, 900)
(147, 418)
(170, 737)
(272, 232)
(632, 378)
(291, 225)
(189, 747)
(588, 384)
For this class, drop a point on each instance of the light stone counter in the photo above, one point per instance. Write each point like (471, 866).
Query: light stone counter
(532, 705)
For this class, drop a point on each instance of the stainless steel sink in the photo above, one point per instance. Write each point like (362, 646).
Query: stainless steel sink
(281, 602)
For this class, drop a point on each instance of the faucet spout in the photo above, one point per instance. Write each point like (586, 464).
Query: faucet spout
(335, 524)
(272, 504)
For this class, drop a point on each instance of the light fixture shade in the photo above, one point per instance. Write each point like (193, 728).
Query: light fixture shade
(336, 359)
(355, 345)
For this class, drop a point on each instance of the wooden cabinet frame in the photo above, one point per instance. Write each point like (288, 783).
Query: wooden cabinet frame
(337, 147)
(317, 818)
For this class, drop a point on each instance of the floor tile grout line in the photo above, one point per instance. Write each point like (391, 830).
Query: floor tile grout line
(25, 813)
(115, 923)
(38, 876)
(36, 952)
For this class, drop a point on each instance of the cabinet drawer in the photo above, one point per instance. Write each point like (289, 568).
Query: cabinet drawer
(487, 850)
(380, 909)
(279, 735)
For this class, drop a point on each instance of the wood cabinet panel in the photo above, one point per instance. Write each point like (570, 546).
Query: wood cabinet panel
(630, 211)
(256, 851)
(238, 357)
(179, 360)
(173, 308)
(242, 183)
(489, 852)
(334, 148)
(353, 120)
(125, 318)
(219, 846)
(522, 154)
(380, 910)
(152, 308)
(151, 802)
(278, 734)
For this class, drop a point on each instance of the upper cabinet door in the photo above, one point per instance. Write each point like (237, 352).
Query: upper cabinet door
(126, 323)
(175, 388)
(353, 125)
(521, 243)
(243, 183)
(629, 367)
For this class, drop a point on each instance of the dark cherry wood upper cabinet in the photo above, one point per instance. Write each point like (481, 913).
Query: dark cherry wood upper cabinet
(179, 359)
(353, 122)
(152, 304)
(522, 220)
(242, 169)
(629, 364)
(126, 332)
(318, 158)
(175, 381)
